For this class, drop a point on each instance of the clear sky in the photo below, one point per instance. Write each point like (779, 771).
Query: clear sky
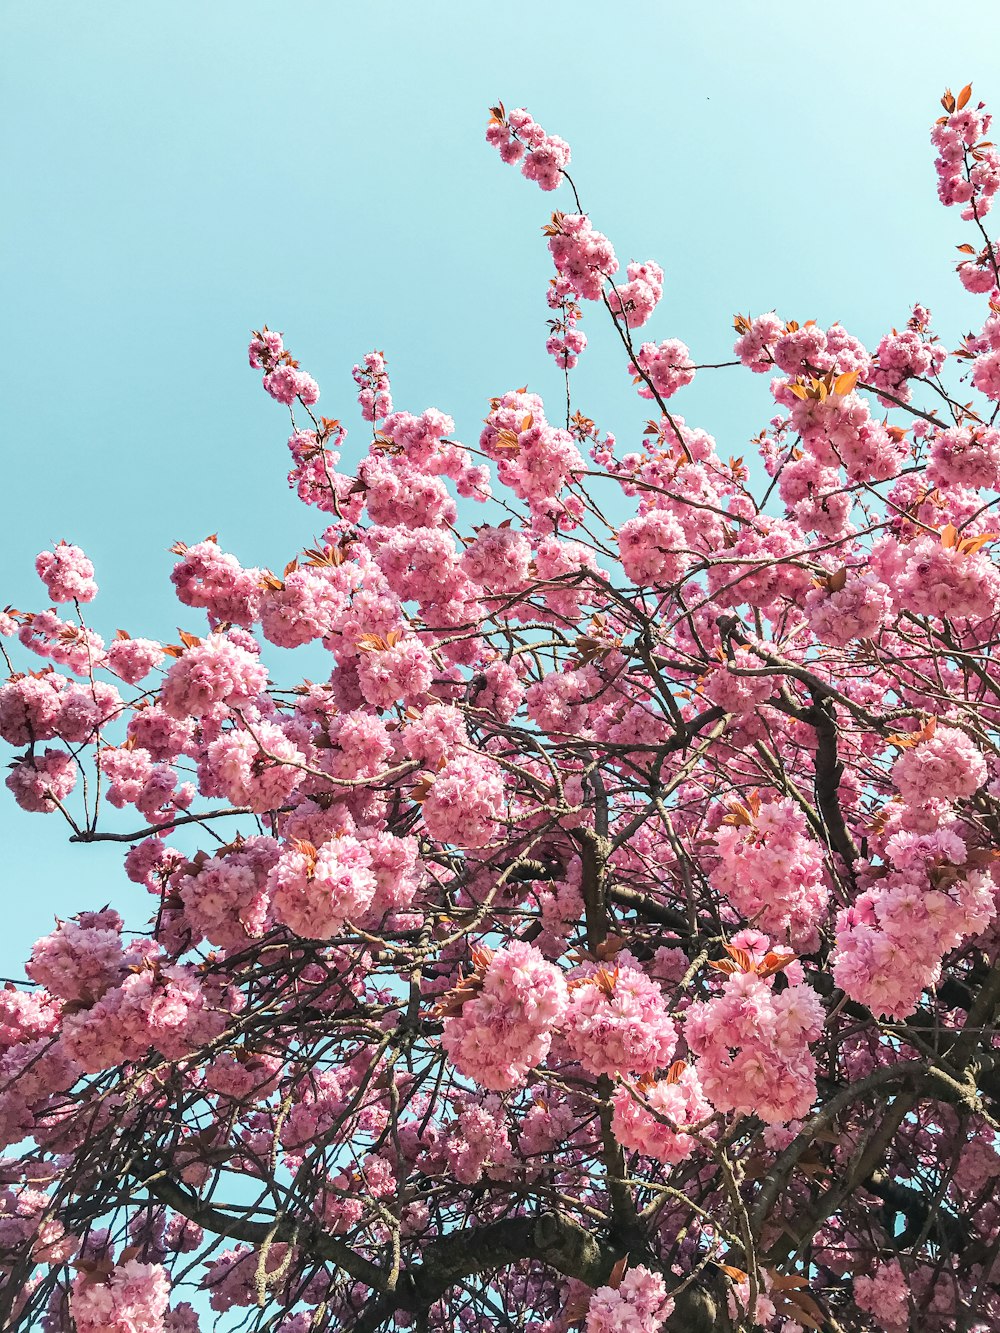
(174, 174)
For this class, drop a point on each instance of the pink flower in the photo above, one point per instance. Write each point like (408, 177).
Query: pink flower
(639, 1304)
(617, 1023)
(668, 366)
(465, 802)
(41, 780)
(506, 1030)
(214, 671)
(317, 891)
(650, 1119)
(133, 659)
(67, 574)
(945, 766)
(285, 384)
(131, 1298)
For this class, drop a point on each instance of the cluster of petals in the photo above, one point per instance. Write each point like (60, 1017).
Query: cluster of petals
(639, 1304)
(132, 660)
(565, 341)
(885, 1296)
(756, 344)
(635, 300)
(927, 896)
(208, 577)
(506, 1030)
(215, 671)
(771, 871)
(67, 574)
(131, 1298)
(967, 166)
(617, 1022)
(61, 641)
(226, 898)
(858, 610)
(667, 366)
(498, 559)
(163, 1007)
(519, 138)
(316, 891)
(583, 256)
(945, 766)
(753, 1046)
(946, 582)
(465, 803)
(650, 1118)
(374, 390)
(285, 384)
(967, 456)
(42, 780)
(654, 549)
(901, 357)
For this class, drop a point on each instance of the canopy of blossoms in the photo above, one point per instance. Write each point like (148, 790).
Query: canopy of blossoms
(606, 937)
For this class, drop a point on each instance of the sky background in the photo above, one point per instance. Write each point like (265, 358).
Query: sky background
(177, 174)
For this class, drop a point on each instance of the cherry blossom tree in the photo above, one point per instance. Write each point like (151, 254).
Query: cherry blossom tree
(607, 938)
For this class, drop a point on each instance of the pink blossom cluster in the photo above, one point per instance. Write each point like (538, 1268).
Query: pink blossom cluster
(308, 603)
(402, 671)
(617, 1022)
(565, 341)
(838, 432)
(654, 549)
(771, 871)
(753, 1046)
(31, 707)
(226, 898)
(506, 1029)
(465, 803)
(165, 1008)
(67, 574)
(283, 379)
(374, 391)
(639, 1304)
(666, 365)
(931, 579)
(584, 258)
(965, 456)
(968, 168)
(61, 641)
(316, 891)
(286, 384)
(944, 766)
(927, 896)
(132, 660)
(979, 275)
(758, 339)
(533, 458)
(208, 577)
(517, 136)
(134, 779)
(216, 671)
(651, 1118)
(885, 1296)
(901, 357)
(635, 300)
(314, 476)
(44, 704)
(858, 610)
(43, 780)
(130, 1298)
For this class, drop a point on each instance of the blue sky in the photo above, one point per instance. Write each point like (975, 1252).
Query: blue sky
(176, 174)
